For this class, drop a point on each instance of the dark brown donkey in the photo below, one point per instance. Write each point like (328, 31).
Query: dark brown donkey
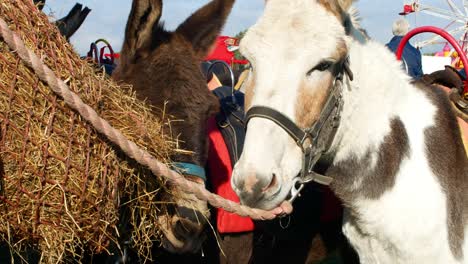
(164, 68)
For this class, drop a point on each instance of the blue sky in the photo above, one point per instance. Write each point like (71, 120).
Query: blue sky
(108, 17)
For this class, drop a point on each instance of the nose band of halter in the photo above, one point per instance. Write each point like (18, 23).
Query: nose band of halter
(314, 141)
(281, 120)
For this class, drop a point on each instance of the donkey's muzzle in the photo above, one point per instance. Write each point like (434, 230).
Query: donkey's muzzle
(255, 187)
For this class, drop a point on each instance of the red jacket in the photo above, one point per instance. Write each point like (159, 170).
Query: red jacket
(219, 171)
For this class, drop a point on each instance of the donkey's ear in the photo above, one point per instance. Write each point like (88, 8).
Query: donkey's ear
(145, 14)
(202, 28)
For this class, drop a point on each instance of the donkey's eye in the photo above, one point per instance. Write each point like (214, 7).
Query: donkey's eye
(322, 66)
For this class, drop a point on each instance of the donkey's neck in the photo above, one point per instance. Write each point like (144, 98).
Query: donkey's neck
(398, 147)
(377, 123)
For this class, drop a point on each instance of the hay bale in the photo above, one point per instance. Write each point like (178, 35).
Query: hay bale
(63, 184)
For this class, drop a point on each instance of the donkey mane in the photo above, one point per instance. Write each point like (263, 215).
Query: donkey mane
(355, 17)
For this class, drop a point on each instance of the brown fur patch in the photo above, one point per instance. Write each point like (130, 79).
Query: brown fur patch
(379, 179)
(449, 162)
(311, 100)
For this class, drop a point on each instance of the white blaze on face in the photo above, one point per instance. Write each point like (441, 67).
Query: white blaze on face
(290, 39)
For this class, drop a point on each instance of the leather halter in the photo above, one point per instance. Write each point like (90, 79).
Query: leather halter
(314, 141)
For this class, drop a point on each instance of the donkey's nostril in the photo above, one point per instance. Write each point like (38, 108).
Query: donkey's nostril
(273, 183)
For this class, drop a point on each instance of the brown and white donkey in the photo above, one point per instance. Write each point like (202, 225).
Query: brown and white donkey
(395, 151)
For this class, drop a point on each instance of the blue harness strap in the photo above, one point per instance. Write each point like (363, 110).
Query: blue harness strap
(190, 169)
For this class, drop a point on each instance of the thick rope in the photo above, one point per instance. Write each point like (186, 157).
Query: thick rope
(130, 148)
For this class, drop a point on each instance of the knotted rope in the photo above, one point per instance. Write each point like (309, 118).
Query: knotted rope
(128, 147)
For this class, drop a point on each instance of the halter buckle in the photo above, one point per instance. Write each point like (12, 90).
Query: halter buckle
(296, 191)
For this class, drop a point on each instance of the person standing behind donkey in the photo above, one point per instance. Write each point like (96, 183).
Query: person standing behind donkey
(411, 56)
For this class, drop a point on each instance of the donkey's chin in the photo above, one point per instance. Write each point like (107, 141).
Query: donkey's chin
(268, 200)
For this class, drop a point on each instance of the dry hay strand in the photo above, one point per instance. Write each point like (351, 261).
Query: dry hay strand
(63, 184)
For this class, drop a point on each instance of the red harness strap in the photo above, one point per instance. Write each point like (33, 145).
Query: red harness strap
(219, 171)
